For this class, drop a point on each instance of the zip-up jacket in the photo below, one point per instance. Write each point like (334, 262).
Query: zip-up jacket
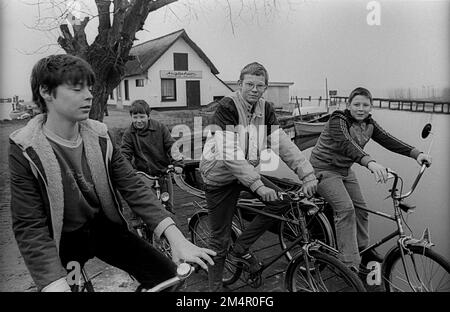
(241, 132)
(150, 148)
(37, 199)
(341, 143)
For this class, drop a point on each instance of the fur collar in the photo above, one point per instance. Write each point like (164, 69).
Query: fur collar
(32, 136)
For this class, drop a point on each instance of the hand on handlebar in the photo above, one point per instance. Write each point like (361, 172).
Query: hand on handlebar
(424, 159)
(185, 251)
(178, 170)
(309, 188)
(380, 172)
(267, 194)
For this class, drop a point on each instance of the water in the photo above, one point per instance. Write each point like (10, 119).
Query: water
(5, 109)
(431, 197)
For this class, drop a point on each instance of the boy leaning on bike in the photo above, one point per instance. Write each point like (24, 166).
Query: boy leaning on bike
(66, 174)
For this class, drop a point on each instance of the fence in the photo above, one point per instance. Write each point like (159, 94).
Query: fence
(428, 106)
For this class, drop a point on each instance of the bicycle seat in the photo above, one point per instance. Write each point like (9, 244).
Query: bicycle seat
(406, 207)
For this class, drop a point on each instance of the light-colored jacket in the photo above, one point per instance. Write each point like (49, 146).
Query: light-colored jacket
(239, 135)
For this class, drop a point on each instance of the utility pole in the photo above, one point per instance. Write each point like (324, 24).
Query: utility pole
(326, 94)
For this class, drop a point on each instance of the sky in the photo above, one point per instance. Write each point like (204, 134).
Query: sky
(394, 44)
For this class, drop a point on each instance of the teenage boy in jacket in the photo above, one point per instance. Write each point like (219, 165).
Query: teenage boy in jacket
(244, 125)
(147, 145)
(340, 145)
(65, 179)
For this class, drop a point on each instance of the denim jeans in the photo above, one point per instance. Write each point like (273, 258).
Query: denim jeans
(221, 201)
(343, 193)
(116, 245)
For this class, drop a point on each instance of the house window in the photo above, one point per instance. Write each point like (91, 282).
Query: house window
(111, 95)
(180, 61)
(119, 92)
(127, 90)
(139, 82)
(168, 90)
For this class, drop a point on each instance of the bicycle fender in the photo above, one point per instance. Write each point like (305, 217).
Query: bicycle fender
(195, 217)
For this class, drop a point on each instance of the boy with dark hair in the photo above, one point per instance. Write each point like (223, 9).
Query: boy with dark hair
(65, 175)
(245, 124)
(147, 145)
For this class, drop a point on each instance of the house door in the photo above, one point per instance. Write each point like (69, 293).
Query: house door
(193, 93)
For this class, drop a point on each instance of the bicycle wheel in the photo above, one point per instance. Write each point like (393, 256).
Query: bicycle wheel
(317, 224)
(200, 233)
(326, 274)
(427, 271)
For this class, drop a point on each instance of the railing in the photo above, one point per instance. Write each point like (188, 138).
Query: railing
(427, 106)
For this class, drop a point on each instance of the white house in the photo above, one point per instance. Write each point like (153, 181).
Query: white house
(277, 92)
(169, 72)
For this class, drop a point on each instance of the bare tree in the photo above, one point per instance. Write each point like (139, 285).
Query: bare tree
(118, 23)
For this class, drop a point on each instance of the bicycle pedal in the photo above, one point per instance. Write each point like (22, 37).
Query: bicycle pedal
(255, 280)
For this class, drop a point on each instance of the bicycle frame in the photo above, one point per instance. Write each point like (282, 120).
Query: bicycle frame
(403, 240)
(302, 240)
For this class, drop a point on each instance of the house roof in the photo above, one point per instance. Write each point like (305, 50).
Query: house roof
(147, 53)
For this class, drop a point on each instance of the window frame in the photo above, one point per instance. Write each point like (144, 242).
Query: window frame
(139, 83)
(179, 59)
(166, 98)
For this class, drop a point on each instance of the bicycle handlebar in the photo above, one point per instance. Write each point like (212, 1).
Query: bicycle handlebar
(413, 187)
(170, 169)
(184, 270)
(292, 195)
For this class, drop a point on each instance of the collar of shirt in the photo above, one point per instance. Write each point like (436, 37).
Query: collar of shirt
(151, 126)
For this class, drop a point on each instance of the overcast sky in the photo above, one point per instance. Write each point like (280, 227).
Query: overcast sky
(298, 41)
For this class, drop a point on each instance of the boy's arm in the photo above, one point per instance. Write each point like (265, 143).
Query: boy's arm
(30, 223)
(127, 146)
(139, 197)
(175, 157)
(391, 143)
(282, 145)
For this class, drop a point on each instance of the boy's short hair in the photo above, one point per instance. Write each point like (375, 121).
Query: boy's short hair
(254, 69)
(54, 70)
(140, 107)
(360, 91)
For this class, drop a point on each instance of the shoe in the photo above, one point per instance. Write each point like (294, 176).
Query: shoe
(371, 255)
(362, 272)
(248, 259)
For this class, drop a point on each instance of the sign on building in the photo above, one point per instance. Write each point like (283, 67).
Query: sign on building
(181, 74)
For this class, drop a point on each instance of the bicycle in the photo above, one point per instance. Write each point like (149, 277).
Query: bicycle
(315, 260)
(141, 228)
(184, 270)
(411, 264)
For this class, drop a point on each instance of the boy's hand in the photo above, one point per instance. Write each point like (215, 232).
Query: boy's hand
(379, 171)
(178, 170)
(309, 188)
(424, 159)
(184, 251)
(267, 194)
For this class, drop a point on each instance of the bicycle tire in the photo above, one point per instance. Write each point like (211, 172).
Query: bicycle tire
(328, 274)
(395, 279)
(318, 228)
(200, 234)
